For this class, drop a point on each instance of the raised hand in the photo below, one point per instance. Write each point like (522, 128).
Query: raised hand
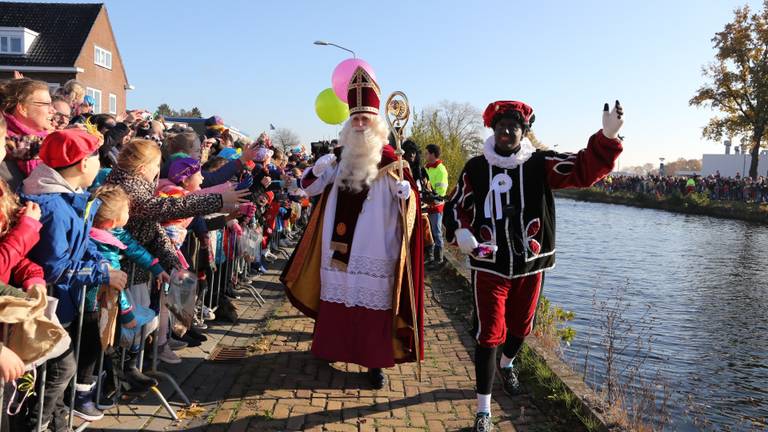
(322, 164)
(232, 199)
(245, 183)
(612, 120)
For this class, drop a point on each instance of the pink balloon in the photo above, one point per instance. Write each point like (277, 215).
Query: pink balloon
(343, 73)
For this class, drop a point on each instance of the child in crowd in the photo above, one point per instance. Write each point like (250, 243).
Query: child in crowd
(138, 166)
(184, 177)
(112, 241)
(70, 261)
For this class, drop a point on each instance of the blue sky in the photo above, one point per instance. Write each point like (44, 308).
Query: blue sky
(254, 63)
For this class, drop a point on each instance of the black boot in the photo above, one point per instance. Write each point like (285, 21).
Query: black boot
(377, 378)
(428, 255)
(105, 400)
(438, 257)
(138, 382)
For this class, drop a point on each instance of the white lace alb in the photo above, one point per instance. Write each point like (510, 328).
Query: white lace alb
(366, 283)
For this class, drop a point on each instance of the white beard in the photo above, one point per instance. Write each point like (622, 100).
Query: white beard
(361, 154)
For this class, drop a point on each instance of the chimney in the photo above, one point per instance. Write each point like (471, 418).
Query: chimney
(727, 144)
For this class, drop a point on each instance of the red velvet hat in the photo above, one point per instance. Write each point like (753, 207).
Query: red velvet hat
(363, 94)
(63, 148)
(500, 107)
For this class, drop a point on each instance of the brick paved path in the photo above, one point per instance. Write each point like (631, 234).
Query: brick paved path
(282, 387)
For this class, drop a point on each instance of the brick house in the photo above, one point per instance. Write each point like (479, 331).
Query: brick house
(58, 42)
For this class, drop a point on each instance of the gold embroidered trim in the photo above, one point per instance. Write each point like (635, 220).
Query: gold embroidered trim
(339, 247)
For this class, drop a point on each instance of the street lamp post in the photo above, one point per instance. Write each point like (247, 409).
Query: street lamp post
(324, 43)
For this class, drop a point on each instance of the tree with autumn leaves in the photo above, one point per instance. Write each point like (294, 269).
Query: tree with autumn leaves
(738, 82)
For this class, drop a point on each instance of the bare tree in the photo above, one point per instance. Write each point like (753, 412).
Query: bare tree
(461, 121)
(455, 127)
(285, 139)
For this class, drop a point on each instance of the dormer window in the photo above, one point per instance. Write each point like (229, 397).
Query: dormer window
(16, 40)
(102, 57)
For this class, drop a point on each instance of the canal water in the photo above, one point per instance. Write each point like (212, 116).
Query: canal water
(700, 284)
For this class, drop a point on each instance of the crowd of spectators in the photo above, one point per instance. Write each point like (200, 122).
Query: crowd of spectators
(714, 187)
(86, 199)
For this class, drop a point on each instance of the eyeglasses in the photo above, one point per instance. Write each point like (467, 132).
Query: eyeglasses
(41, 103)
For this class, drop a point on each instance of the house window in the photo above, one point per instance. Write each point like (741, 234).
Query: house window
(102, 57)
(10, 45)
(112, 104)
(16, 40)
(96, 95)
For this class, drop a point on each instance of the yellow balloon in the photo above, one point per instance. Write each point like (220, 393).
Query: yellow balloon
(330, 108)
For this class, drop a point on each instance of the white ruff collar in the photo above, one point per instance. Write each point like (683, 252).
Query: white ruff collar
(511, 161)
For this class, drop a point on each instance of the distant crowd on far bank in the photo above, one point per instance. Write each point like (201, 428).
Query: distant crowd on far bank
(715, 187)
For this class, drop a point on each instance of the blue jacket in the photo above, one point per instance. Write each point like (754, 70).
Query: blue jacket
(111, 244)
(68, 258)
(229, 170)
(133, 251)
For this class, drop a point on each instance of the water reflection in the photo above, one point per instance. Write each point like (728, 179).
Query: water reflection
(704, 282)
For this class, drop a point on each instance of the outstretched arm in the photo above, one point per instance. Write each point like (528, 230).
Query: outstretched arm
(585, 168)
(320, 175)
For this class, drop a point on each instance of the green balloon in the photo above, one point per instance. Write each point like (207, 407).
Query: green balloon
(330, 108)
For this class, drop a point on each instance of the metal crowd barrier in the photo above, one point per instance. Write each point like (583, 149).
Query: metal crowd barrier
(240, 268)
(73, 384)
(229, 272)
(140, 363)
(2, 381)
(154, 372)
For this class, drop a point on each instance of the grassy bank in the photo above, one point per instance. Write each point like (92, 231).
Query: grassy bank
(553, 385)
(697, 204)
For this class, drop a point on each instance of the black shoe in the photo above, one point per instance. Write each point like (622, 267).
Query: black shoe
(509, 380)
(483, 423)
(377, 378)
(138, 382)
(194, 334)
(191, 342)
(232, 294)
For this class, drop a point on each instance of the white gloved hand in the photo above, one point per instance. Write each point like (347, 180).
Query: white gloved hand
(322, 164)
(403, 190)
(612, 121)
(466, 241)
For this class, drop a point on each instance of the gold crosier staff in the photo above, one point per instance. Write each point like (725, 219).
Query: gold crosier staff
(397, 114)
